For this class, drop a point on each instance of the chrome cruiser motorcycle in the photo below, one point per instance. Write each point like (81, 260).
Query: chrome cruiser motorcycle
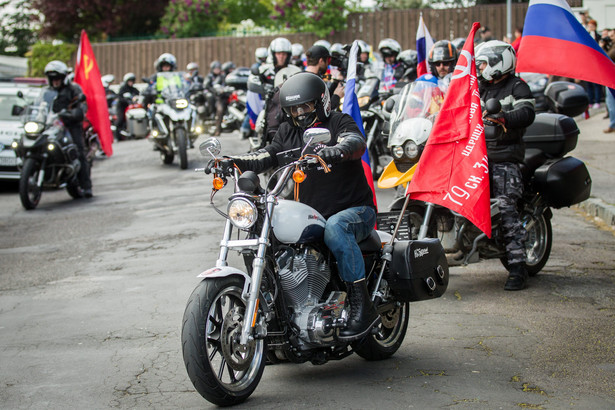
(288, 304)
(172, 120)
(551, 180)
(50, 157)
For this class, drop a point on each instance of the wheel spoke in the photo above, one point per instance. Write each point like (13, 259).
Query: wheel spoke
(221, 369)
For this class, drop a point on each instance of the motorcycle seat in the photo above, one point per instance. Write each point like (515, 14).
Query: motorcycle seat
(533, 158)
(371, 244)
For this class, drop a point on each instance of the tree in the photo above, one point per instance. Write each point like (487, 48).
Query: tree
(17, 27)
(313, 16)
(64, 19)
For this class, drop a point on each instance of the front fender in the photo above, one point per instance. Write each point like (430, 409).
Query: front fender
(392, 177)
(224, 271)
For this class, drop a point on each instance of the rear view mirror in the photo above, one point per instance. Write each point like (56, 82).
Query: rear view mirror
(211, 146)
(17, 110)
(313, 136)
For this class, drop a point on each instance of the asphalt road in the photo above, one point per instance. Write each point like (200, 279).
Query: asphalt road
(92, 294)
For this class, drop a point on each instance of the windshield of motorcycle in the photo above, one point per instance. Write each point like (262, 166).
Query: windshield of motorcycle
(415, 111)
(171, 85)
(39, 110)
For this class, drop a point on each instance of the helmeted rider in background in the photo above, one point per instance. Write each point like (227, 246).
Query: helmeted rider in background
(495, 63)
(213, 82)
(442, 59)
(394, 69)
(342, 196)
(71, 114)
(164, 63)
(126, 93)
(192, 71)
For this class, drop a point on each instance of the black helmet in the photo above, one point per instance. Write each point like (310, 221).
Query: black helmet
(305, 88)
(55, 70)
(228, 66)
(166, 58)
(442, 51)
(215, 64)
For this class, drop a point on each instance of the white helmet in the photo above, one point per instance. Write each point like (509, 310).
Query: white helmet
(389, 47)
(280, 45)
(500, 58)
(297, 49)
(129, 77)
(324, 43)
(107, 79)
(261, 54)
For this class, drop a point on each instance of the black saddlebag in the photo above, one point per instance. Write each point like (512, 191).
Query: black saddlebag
(564, 97)
(554, 134)
(419, 270)
(563, 181)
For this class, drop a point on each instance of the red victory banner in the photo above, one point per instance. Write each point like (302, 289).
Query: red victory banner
(87, 76)
(453, 170)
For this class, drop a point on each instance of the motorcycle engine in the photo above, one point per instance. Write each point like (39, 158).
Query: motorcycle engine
(304, 275)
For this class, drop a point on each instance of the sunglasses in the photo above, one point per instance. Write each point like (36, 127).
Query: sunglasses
(440, 63)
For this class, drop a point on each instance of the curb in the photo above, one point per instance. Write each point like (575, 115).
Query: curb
(596, 207)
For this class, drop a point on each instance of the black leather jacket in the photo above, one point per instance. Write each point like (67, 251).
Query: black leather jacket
(342, 188)
(518, 110)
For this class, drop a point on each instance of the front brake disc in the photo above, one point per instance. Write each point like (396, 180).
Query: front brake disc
(237, 356)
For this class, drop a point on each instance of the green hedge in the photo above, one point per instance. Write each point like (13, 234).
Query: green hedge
(42, 53)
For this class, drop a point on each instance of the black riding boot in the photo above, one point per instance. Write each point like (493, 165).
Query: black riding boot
(517, 277)
(363, 315)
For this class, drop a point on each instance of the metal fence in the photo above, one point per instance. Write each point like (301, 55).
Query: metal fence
(118, 58)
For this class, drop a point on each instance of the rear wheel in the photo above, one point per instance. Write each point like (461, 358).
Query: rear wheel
(182, 147)
(221, 369)
(388, 336)
(29, 191)
(538, 242)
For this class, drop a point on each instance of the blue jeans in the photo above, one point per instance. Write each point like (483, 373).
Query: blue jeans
(343, 232)
(610, 106)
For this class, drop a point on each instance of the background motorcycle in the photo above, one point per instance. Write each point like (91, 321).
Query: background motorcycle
(50, 157)
(172, 119)
(551, 180)
(289, 303)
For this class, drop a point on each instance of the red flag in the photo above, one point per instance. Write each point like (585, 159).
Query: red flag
(453, 170)
(87, 76)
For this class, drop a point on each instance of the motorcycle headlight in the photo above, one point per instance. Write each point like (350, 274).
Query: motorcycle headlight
(363, 101)
(411, 149)
(242, 213)
(181, 103)
(397, 152)
(32, 127)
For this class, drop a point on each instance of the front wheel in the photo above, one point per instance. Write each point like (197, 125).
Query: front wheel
(221, 369)
(538, 241)
(29, 190)
(388, 337)
(182, 147)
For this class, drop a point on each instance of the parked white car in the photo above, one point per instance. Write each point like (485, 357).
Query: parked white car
(11, 126)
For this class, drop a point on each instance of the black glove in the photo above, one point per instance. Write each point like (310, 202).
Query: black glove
(331, 155)
(65, 115)
(224, 164)
(497, 118)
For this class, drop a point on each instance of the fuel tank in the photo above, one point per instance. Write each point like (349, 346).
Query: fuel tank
(294, 222)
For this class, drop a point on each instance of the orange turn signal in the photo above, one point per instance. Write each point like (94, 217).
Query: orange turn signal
(298, 176)
(218, 183)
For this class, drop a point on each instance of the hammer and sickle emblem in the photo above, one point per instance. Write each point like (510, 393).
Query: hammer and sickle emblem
(463, 70)
(88, 65)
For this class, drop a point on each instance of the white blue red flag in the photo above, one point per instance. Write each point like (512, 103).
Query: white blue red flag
(255, 105)
(424, 42)
(351, 107)
(453, 170)
(554, 42)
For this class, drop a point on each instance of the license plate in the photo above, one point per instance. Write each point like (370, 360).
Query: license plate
(8, 159)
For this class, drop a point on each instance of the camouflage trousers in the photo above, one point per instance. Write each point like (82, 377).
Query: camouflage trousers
(507, 187)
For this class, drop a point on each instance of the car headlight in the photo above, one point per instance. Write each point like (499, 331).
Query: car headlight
(32, 127)
(411, 149)
(397, 152)
(181, 103)
(242, 213)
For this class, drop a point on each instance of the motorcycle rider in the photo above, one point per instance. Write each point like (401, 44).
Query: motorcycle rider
(495, 62)
(442, 59)
(126, 93)
(318, 59)
(297, 58)
(215, 80)
(192, 69)
(394, 69)
(72, 116)
(164, 63)
(342, 196)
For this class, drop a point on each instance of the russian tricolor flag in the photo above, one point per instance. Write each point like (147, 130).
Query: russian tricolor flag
(351, 107)
(424, 42)
(554, 42)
